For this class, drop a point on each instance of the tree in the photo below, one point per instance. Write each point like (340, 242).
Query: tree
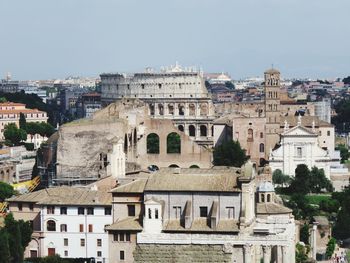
(13, 134)
(3, 99)
(346, 80)
(22, 121)
(318, 181)
(344, 152)
(4, 247)
(279, 178)
(301, 253)
(15, 239)
(301, 207)
(304, 234)
(342, 227)
(330, 247)
(301, 183)
(229, 154)
(6, 191)
(26, 232)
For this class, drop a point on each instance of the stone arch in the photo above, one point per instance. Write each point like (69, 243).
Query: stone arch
(192, 109)
(181, 127)
(261, 148)
(153, 143)
(160, 109)
(203, 130)
(174, 166)
(173, 143)
(171, 109)
(194, 166)
(204, 109)
(181, 109)
(192, 131)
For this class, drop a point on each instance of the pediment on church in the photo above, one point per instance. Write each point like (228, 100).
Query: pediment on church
(299, 131)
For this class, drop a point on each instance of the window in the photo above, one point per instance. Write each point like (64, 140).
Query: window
(203, 211)
(156, 215)
(122, 255)
(20, 206)
(82, 242)
(262, 147)
(230, 212)
(121, 237)
(149, 213)
(328, 133)
(81, 228)
(173, 143)
(65, 242)
(299, 152)
(261, 135)
(131, 210)
(250, 135)
(153, 143)
(51, 225)
(177, 210)
(63, 228)
(63, 210)
(108, 211)
(99, 242)
(115, 237)
(66, 253)
(90, 211)
(268, 198)
(81, 211)
(31, 207)
(50, 210)
(127, 236)
(90, 228)
(99, 254)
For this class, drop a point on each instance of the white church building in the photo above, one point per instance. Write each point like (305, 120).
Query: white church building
(299, 145)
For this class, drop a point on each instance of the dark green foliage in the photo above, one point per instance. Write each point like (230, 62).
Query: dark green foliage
(14, 135)
(330, 247)
(29, 146)
(344, 152)
(346, 80)
(229, 154)
(22, 121)
(26, 232)
(301, 253)
(307, 181)
(173, 143)
(301, 207)
(342, 119)
(342, 227)
(6, 191)
(42, 128)
(15, 239)
(329, 205)
(3, 99)
(279, 178)
(58, 259)
(304, 234)
(229, 85)
(152, 143)
(4, 247)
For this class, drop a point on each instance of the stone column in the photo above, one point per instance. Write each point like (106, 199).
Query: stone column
(165, 109)
(313, 241)
(284, 254)
(267, 254)
(156, 109)
(247, 249)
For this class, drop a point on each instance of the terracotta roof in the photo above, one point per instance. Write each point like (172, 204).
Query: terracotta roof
(306, 121)
(201, 225)
(272, 208)
(129, 223)
(137, 186)
(199, 180)
(18, 111)
(11, 104)
(65, 195)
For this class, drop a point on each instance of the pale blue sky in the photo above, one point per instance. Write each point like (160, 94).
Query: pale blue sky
(55, 38)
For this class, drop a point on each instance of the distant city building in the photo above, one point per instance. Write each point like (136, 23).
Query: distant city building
(9, 86)
(323, 109)
(91, 102)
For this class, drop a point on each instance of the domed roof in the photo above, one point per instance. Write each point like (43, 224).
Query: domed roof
(272, 71)
(266, 187)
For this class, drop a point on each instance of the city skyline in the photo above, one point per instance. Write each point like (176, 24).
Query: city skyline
(55, 40)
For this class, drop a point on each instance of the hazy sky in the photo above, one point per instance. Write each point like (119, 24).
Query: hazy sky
(55, 38)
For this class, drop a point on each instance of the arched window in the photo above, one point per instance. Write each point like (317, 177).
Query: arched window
(192, 109)
(173, 143)
(194, 166)
(268, 198)
(151, 109)
(152, 143)
(63, 228)
(192, 131)
(204, 109)
(262, 147)
(161, 109)
(181, 109)
(181, 128)
(203, 130)
(173, 166)
(262, 198)
(171, 109)
(250, 135)
(51, 225)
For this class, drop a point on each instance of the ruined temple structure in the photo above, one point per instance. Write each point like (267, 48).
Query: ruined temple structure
(175, 93)
(123, 131)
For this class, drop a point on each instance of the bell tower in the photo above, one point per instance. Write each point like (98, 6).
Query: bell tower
(272, 109)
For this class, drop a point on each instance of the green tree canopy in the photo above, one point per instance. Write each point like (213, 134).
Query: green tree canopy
(14, 135)
(280, 178)
(342, 227)
(230, 154)
(344, 152)
(6, 191)
(22, 121)
(3, 99)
